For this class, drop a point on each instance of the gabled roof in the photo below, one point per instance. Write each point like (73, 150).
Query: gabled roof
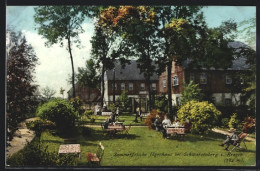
(130, 72)
(238, 64)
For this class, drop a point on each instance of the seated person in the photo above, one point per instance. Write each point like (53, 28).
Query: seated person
(106, 123)
(176, 123)
(159, 127)
(231, 139)
(166, 122)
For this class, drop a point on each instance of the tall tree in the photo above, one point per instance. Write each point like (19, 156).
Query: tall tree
(185, 36)
(107, 46)
(60, 24)
(21, 62)
(137, 26)
(48, 93)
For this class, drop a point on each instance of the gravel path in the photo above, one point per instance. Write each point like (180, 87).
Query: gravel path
(227, 133)
(21, 137)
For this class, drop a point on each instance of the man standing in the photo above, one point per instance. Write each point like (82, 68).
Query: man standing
(231, 139)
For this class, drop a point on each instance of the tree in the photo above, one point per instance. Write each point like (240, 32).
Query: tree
(191, 92)
(59, 24)
(137, 26)
(62, 91)
(107, 46)
(182, 28)
(48, 93)
(21, 62)
(89, 75)
(123, 100)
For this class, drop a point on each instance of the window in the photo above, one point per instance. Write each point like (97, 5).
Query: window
(142, 86)
(192, 77)
(164, 83)
(228, 102)
(131, 86)
(228, 79)
(154, 86)
(203, 78)
(122, 86)
(114, 87)
(175, 81)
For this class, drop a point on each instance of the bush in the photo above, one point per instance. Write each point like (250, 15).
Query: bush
(77, 104)
(59, 111)
(35, 154)
(40, 125)
(161, 103)
(233, 122)
(249, 125)
(151, 118)
(123, 101)
(224, 122)
(202, 115)
(111, 107)
(88, 113)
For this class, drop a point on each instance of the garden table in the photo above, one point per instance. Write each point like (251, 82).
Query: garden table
(70, 148)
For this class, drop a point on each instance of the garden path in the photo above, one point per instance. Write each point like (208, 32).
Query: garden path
(21, 136)
(227, 133)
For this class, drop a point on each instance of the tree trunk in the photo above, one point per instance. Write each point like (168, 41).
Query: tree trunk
(149, 92)
(72, 66)
(169, 71)
(102, 85)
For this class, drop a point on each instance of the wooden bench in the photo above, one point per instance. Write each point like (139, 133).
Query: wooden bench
(96, 157)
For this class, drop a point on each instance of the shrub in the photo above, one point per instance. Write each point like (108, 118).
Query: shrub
(248, 125)
(224, 122)
(77, 104)
(123, 101)
(40, 125)
(111, 107)
(202, 115)
(233, 122)
(59, 111)
(161, 103)
(35, 154)
(151, 118)
(88, 113)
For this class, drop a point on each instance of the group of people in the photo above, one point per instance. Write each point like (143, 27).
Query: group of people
(112, 118)
(162, 126)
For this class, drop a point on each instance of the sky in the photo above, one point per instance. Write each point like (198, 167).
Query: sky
(54, 65)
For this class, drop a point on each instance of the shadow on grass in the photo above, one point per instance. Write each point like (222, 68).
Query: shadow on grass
(52, 141)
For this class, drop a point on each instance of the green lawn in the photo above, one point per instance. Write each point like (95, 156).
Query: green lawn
(144, 147)
(127, 118)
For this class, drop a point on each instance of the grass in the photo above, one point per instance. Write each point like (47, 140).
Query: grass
(127, 117)
(144, 147)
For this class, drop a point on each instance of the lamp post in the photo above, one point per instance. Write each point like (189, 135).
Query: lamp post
(114, 86)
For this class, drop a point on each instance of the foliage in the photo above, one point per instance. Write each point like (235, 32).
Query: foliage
(88, 113)
(62, 91)
(161, 103)
(59, 111)
(21, 63)
(233, 121)
(89, 75)
(202, 115)
(191, 92)
(224, 122)
(111, 107)
(59, 24)
(78, 105)
(151, 118)
(123, 100)
(40, 125)
(36, 154)
(48, 93)
(249, 125)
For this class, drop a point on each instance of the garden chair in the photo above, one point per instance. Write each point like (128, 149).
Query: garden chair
(241, 139)
(95, 158)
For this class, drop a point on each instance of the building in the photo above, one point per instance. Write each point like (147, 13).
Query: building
(85, 93)
(216, 83)
(129, 79)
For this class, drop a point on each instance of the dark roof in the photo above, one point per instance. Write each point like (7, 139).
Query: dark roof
(130, 72)
(238, 64)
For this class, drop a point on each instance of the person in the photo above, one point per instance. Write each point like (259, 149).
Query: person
(137, 114)
(166, 122)
(176, 123)
(231, 139)
(117, 111)
(113, 117)
(159, 127)
(106, 123)
(97, 109)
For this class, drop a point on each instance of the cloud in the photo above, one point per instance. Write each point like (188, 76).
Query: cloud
(54, 62)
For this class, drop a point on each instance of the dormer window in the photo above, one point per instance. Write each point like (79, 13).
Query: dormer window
(175, 81)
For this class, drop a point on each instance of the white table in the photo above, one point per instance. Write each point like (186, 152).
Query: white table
(70, 148)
